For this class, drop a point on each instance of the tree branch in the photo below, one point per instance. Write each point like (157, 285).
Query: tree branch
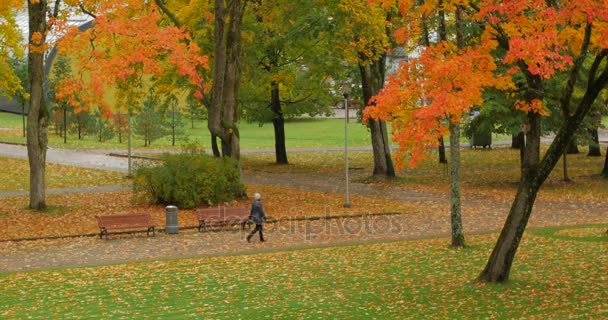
(85, 11)
(565, 101)
(171, 15)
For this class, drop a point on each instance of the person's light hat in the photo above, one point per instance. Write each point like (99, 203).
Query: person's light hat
(257, 196)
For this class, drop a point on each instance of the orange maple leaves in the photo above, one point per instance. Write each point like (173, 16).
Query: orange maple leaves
(128, 44)
(443, 82)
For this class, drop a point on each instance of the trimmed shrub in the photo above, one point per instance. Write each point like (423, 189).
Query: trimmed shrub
(188, 180)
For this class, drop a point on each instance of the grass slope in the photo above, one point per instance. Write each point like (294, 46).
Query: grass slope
(300, 133)
(404, 279)
(14, 175)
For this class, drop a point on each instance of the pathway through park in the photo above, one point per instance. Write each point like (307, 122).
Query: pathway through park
(480, 214)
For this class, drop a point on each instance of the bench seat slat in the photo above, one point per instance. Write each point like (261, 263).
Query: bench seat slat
(222, 216)
(124, 221)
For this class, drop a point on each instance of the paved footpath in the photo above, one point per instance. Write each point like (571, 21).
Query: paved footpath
(480, 214)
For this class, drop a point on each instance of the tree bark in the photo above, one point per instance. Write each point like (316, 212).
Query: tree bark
(223, 111)
(534, 173)
(565, 167)
(594, 145)
(372, 80)
(517, 141)
(278, 123)
(37, 129)
(573, 148)
(499, 265)
(455, 196)
(441, 150)
(214, 147)
(605, 170)
(455, 206)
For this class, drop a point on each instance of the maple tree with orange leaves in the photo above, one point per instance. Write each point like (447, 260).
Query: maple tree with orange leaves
(541, 39)
(127, 46)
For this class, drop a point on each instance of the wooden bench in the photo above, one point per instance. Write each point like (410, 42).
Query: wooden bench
(124, 221)
(222, 216)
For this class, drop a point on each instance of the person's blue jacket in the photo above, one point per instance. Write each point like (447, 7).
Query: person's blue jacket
(257, 212)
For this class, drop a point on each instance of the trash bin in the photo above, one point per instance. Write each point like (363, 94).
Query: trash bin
(483, 139)
(171, 220)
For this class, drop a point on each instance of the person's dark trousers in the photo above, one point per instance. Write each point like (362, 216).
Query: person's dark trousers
(258, 227)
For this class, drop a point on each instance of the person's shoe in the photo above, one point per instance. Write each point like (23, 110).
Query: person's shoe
(262, 240)
(249, 239)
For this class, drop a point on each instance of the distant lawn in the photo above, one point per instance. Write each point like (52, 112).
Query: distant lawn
(492, 172)
(554, 276)
(300, 133)
(14, 175)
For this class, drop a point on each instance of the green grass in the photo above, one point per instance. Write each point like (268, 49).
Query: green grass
(300, 133)
(14, 175)
(421, 279)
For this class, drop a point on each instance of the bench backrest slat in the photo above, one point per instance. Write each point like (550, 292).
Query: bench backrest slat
(139, 219)
(222, 213)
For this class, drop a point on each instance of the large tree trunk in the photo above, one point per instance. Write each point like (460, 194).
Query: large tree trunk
(594, 145)
(573, 148)
(372, 80)
(455, 207)
(498, 267)
(279, 124)
(37, 129)
(534, 173)
(223, 112)
(517, 141)
(214, 147)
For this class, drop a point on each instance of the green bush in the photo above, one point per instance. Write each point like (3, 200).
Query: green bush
(188, 180)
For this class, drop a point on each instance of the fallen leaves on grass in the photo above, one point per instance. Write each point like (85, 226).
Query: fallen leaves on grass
(404, 279)
(597, 232)
(73, 213)
(14, 175)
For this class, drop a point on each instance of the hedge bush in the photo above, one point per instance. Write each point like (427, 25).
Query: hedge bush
(188, 180)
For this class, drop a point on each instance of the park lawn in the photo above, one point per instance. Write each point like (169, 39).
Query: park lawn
(492, 172)
(300, 133)
(552, 277)
(14, 175)
(74, 213)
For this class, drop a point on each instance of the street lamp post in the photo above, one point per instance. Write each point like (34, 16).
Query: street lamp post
(346, 92)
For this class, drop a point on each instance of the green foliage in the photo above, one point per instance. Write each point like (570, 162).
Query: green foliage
(292, 50)
(189, 180)
(20, 67)
(102, 127)
(148, 124)
(79, 123)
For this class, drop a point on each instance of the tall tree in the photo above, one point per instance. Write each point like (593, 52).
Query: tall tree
(223, 113)
(367, 29)
(37, 135)
(541, 40)
(127, 56)
(288, 64)
(22, 95)
(60, 71)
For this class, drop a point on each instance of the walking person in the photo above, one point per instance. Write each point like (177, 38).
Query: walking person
(257, 216)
